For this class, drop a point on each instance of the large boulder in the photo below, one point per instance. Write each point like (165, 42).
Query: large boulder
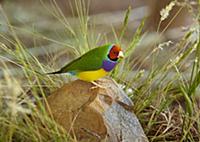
(96, 113)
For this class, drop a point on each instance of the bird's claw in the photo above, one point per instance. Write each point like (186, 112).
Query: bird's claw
(97, 86)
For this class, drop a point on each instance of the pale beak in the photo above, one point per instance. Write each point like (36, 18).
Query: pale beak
(120, 55)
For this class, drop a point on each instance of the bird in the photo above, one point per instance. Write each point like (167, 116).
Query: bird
(94, 64)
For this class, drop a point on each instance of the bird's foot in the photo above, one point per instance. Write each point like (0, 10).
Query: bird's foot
(97, 86)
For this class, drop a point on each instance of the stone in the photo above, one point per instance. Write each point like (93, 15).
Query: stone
(95, 113)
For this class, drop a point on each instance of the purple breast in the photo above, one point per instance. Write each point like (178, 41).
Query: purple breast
(108, 65)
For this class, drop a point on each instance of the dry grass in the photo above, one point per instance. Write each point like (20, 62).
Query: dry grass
(163, 82)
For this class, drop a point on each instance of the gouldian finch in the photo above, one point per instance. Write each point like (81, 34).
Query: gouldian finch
(94, 64)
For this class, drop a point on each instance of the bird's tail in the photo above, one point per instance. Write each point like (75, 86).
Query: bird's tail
(56, 72)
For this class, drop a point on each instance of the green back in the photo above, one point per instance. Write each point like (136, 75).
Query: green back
(91, 60)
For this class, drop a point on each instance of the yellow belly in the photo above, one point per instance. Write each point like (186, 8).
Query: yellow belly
(92, 75)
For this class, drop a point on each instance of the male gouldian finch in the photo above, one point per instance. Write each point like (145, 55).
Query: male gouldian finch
(94, 64)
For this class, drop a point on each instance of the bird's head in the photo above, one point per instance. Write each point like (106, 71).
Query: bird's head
(115, 53)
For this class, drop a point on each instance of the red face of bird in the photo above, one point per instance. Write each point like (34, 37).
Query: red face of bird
(115, 53)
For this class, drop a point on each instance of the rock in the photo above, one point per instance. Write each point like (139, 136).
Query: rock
(96, 113)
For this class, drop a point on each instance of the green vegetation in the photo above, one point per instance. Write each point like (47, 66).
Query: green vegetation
(165, 95)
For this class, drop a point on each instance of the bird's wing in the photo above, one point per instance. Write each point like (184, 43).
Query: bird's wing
(92, 60)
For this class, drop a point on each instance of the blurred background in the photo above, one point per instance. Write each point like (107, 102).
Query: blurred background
(40, 28)
(160, 72)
